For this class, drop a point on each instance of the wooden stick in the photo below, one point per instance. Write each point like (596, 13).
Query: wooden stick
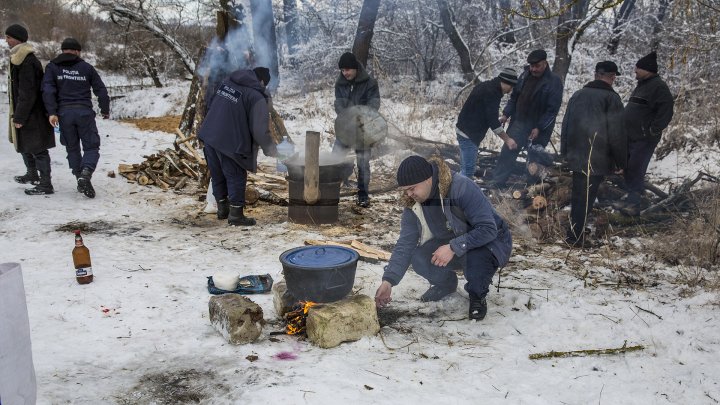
(586, 352)
(311, 191)
(194, 152)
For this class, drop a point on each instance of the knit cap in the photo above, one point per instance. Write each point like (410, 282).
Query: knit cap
(648, 62)
(508, 75)
(413, 170)
(70, 43)
(348, 61)
(18, 32)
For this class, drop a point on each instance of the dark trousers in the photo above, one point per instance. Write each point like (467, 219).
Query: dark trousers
(229, 180)
(520, 133)
(584, 192)
(38, 162)
(479, 266)
(77, 127)
(363, 166)
(639, 155)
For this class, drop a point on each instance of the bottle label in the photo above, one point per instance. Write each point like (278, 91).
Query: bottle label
(83, 271)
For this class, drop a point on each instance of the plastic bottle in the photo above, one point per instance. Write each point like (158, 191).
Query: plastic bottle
(284, 150)
(81, 260)
(56, 128)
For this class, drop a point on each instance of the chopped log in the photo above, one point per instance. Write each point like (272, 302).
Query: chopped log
(277, 126)
(539, 189)
(537, 170)
(372, 255)
(184, 140)
(383, 255)
(157, 180)
(539, 202)
(143, 179)
(181, 183)
(129, 176)
(269, 176)
(270, 197)
(125, 168)
(561, 197)
(520, 194)
(251, 195)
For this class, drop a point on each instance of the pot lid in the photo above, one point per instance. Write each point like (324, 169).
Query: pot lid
(319, 256)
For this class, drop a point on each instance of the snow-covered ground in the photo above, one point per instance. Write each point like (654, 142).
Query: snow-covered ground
(140, 334)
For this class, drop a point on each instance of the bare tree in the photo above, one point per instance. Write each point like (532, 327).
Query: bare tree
(264, 39)
(658, 24)
(150, 23)
(365, 30)
(621, 20)
(456, 40)
(292, 34)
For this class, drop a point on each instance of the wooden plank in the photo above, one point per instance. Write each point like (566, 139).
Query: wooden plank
(311, 192)
(366, 252)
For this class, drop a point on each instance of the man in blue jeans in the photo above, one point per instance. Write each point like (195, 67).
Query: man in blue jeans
(66, 93)
(480, 113)
(447, 223)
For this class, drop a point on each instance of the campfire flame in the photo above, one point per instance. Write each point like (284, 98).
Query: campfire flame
(296, 319)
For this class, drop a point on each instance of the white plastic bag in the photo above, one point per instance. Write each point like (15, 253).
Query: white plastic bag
(211, 207)
(17, 373)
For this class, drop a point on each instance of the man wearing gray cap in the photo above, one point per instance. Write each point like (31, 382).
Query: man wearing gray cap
(594, 143)
(531, 111)
(480, 113)
(447, 223)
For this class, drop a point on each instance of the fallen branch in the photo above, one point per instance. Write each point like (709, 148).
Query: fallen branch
(586, 352)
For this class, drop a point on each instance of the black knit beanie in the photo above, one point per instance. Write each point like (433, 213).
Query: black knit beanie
(262, 74)
(348, 61)
(413, 170)
(18, 32)
(648, 62)
(70, 43)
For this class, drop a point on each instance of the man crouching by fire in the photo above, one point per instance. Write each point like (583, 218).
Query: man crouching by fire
(447, 223)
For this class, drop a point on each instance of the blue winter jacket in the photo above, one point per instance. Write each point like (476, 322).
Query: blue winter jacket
(237, 120)
(67, 83)
(546, 101)
(472, 218)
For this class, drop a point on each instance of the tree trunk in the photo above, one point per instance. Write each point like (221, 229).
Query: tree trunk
(292, 34)
(265, 40)
(457, 42)
(568, 22)
(365, 30)
(619, 25)
(658, 25)
(508, 37)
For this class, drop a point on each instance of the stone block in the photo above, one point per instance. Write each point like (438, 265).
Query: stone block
(346, 320)
(237, 318)
(283, 301)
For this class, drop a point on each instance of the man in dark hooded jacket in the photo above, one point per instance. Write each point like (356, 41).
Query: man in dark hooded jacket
(355, 87)
(235, 127)
(647, 114)
(66, 92)
(28, 128)
(593, 141)
(447, 223)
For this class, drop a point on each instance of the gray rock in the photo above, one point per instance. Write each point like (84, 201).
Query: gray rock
(237, 318)
(346, 320)
(283, 301)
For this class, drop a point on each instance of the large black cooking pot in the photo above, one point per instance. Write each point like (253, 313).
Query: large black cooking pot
(322, 273)
(333, 168)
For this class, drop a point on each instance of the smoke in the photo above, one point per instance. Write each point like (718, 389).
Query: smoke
(241, 48)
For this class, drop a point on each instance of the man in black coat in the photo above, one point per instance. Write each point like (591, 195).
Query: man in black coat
(29, 130)
(66, 93)
(532, 109)
(647, 113)
(355, 87)
(235, 127)
(593, 141)
(480, 113)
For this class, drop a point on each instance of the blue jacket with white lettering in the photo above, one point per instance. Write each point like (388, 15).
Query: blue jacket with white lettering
(237, 120)
(67, 83)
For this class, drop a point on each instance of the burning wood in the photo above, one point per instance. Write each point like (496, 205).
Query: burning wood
(296, 318)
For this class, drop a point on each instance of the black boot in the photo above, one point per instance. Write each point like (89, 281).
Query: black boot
(44, 187)
(223, 208)
(438, 292)
(238, 218)
(83, 183)
(30, 177)
(478, 307)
